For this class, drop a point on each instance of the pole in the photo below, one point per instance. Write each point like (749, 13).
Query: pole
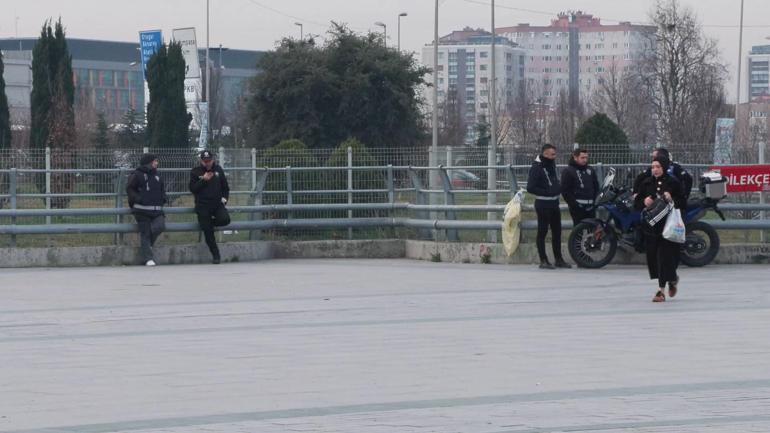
(740, 60)
(433, 155)
(208, 78)
(385, 36)
(492, 148)
(350, 189)
(399, 34)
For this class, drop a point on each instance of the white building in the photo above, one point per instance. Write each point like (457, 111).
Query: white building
(576, 51)
(464, 62)
(18, 82)
(759, 72)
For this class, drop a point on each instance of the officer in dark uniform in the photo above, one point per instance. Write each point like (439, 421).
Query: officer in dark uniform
(146, 197)
(579, 186)
(208, 184)
(675, 171)
(543, 183)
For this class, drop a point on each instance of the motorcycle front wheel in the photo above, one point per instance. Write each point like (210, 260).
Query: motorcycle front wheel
(590, 246)
(701, 244)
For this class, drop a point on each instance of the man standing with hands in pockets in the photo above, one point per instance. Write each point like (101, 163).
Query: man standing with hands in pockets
(208, 184)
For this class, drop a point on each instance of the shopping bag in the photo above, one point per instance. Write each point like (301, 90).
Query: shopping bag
(674, 229)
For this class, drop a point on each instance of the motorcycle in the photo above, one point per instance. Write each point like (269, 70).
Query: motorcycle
(593, 242)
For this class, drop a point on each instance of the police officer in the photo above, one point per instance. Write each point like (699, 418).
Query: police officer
(146, 197)
(579, 186)
(676, 171)
(543, 183)
(209, 186)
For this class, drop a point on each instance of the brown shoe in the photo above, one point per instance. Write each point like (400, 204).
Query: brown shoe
(659, 297)
(672, 287)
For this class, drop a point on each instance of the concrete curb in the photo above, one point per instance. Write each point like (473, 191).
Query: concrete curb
(452, 252)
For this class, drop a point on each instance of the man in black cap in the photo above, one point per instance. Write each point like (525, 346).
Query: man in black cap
(209, 186)
(146, 197)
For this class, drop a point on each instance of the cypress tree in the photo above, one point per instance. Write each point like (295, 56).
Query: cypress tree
(5, 116)
(168, 121)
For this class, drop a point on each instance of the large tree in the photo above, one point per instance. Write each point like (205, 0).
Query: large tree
(683, 75)
(5, 116)
(352, 86)
(168, 121)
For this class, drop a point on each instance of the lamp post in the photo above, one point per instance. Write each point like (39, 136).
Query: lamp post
(301, 31)
(384, 32)
(492, 150)
(402, 14)
(130, 100)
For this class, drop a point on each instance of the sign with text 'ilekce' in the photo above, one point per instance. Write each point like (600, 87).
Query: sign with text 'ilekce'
(149, 43)
(746, 178)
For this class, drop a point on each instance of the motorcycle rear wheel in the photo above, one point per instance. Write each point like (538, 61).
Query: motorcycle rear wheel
(701, 244)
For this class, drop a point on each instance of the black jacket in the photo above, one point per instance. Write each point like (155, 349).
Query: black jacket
(578, 183)
(543, 183)
(209, 193)
(145, 188)
(654, 187)
(676, 171)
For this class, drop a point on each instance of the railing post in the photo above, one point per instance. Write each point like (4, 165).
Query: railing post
(449, 199)
(350, 189)
(762, 214)
(391, 187)
(48, 188)
(259, 189)
(119, 187)
(420, 199)
(12, 180)
(289, 195)
(514, 185)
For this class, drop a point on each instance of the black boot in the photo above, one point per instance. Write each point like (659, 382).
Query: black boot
(545, 264)
(560, 263)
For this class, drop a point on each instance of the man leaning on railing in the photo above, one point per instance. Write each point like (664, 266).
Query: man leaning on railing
(146, 197)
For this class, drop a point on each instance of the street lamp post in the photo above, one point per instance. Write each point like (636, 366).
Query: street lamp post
(492, 150)
(301, 31)
(130, 100)
(384, 32)
(402, 14)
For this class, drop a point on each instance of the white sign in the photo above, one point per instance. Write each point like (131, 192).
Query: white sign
(186, 37)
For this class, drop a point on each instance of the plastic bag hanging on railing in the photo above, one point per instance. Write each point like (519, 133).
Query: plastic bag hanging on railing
(511, 223)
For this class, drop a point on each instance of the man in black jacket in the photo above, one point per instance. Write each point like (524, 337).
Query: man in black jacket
(675, 170)
(208, 184)
(579, 186)
(543, 183)
(146, 197)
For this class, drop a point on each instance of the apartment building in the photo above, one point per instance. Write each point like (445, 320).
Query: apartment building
(759, 72)
(575, 52)
(464, 73)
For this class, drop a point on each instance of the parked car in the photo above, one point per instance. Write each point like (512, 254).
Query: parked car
(464, 179)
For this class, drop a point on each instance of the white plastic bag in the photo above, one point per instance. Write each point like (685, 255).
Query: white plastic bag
(511, 220)
(674, 229)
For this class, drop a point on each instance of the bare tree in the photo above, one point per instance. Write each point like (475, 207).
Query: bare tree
(529, 116)
(452, 126)
(682, 74)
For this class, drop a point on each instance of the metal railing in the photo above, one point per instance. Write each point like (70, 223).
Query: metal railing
(309, 198)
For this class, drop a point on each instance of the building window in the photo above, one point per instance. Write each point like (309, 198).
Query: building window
(482, 67)
(483, 105)
(509, 57)
(483, 54)
(441, 81)
(522, 59)
(484, 93)
(440, 67)
(614, 45)
(483, 80)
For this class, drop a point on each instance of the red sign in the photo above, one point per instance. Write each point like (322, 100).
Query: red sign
(746, 178)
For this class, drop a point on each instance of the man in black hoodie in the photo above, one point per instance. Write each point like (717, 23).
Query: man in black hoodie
(209, 186)
(579, 186)
(146, 197)
(543, 183)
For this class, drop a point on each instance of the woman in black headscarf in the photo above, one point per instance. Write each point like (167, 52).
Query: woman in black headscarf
(662, 254)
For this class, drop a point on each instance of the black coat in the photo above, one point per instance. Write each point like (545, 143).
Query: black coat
(578, 182)
(209, 193)
(145, 188)
(676, 171)
(654, 187)
(543, 183)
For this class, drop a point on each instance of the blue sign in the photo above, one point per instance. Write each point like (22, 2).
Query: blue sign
(149, 43)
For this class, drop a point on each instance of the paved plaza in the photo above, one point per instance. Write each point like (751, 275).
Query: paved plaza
(382, 346)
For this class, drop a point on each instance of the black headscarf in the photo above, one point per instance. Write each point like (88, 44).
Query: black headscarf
(147, 158)
(664, 162)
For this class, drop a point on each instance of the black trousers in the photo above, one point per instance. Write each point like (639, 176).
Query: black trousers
(662, 258)
(549, 218)
(208, 218)
(151, 225)
(579, 214)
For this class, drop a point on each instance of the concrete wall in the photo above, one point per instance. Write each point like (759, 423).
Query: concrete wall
(338, 249)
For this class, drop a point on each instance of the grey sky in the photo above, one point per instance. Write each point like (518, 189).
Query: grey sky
(258, 24)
